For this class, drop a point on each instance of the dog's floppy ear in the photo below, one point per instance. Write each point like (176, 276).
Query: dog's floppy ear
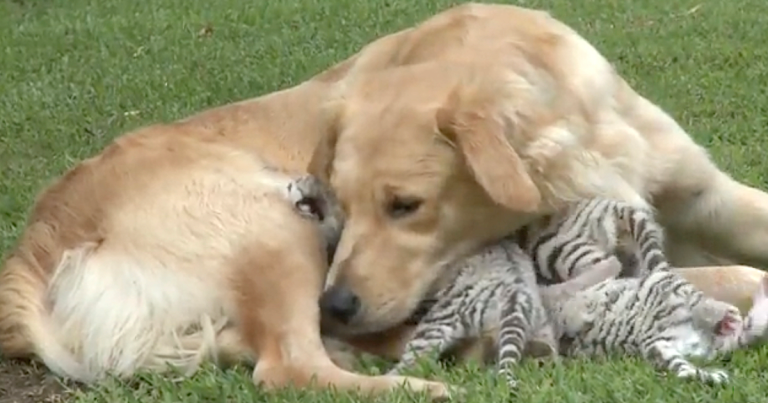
(322, 158)
(472, 122)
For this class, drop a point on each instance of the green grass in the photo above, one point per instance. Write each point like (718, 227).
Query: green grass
(74, 74)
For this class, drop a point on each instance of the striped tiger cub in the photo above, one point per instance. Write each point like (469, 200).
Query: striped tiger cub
(493, 289)
(660, 317)
(571, 251)
(594, 232)
(652, 312)
(655, 313)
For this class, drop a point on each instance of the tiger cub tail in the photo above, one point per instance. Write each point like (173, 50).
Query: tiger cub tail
(515, 329)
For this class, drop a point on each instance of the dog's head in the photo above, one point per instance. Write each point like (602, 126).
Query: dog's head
(425, 173)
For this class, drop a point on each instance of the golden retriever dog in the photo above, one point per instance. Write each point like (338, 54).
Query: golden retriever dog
(485, 117)
(175, 244)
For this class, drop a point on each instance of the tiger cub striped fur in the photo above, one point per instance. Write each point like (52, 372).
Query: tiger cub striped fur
(660, 317)
(655, 313)
(571, 250)
(493, 289)
(594, 232)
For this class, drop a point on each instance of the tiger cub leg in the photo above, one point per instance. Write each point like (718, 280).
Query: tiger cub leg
(437, 332)
(665, 356)
(543, 343)
(586, 258)
(554, 294)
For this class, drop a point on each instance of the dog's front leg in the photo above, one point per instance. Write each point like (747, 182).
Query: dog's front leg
(276, 293)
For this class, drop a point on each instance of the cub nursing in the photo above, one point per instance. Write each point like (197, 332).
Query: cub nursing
(652, 312)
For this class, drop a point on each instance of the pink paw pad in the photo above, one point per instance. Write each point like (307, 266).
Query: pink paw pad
(730, 324)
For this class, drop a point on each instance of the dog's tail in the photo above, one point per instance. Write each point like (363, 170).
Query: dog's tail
(25, 324)
(95, 314)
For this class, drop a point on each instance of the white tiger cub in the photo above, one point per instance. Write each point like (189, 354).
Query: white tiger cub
(661, 317)
(575, 248)
(654, 312)
(594, 232)
(494, 289)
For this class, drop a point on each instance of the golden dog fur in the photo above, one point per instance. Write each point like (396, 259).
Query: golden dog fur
(174, 245)
(506, 117)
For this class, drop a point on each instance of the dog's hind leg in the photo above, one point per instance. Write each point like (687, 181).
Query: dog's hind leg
(696, 201)
(717, 221)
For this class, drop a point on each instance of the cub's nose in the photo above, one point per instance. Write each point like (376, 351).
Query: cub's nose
(339, 303)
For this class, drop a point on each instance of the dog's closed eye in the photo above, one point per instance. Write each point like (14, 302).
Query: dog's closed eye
(400, 207)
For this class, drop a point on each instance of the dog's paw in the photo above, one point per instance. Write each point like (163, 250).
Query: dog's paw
(756, 320)
(437, 391)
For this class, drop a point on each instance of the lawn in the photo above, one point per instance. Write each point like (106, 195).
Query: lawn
(74, 74)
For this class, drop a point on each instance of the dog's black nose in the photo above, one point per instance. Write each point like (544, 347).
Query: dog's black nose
(339, 303)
